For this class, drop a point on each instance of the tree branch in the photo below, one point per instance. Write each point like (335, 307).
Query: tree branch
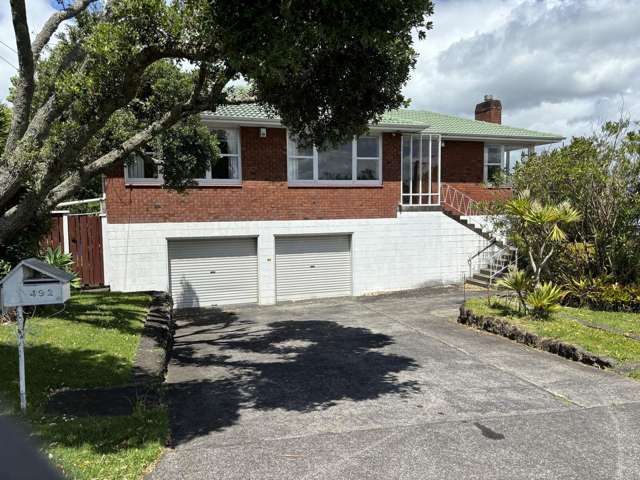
(25, 85)
(170, 118)
(54, 21)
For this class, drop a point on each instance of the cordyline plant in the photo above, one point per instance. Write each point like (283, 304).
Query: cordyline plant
(113, 82)
(598, 175)
(538, 229)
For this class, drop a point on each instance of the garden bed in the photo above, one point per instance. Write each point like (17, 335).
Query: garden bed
(92, 343)
(603, 339)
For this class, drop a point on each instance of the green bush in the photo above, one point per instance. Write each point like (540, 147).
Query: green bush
(57, 258)
(602, 293)
(600, 177)
(517, 281)
(545, 299)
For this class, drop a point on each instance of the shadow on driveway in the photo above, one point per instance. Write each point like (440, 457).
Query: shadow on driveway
(223, 364)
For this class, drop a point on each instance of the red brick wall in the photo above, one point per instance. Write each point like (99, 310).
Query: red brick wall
(462, 161)
(264, 194)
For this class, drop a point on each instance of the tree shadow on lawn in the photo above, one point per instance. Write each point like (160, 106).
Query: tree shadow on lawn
(119, 311)
(50, 368)
(299, 366)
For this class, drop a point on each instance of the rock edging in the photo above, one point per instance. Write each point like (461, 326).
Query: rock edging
(156, 341)
(149, 368)
(513, 332)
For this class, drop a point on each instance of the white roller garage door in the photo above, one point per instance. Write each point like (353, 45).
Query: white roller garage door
(313, 266)
(205, 272)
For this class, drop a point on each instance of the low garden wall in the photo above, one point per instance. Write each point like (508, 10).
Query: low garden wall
(149, 368)
(514, 332)
(153, 353)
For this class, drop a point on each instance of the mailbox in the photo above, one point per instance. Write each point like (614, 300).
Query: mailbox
(34, 282)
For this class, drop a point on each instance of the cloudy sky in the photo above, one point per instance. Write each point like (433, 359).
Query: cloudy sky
(557, 65)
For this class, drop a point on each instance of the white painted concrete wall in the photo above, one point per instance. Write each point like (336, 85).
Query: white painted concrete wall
(410, 251)
(487, 224)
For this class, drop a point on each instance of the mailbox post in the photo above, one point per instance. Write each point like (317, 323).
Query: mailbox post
(32, 282)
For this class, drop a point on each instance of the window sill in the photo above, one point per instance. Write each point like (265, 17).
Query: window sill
(347, 184)
(129, 183)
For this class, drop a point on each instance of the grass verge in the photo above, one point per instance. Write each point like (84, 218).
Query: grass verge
(577, 326)
(91, 343)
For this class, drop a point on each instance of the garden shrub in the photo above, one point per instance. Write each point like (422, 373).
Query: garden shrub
(602, 294)
(545, 299)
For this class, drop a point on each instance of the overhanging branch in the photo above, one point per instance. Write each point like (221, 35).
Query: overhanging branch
(25, 86)
(54, 21)
(170, 118)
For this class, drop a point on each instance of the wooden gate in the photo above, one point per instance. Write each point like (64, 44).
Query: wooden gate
(84, 243)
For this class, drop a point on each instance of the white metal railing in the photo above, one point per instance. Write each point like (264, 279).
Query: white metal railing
(495, 257)
(459, 201)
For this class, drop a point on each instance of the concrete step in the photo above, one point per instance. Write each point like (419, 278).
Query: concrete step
(478, 283)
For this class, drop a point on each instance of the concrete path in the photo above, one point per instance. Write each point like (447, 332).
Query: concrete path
(386, 387)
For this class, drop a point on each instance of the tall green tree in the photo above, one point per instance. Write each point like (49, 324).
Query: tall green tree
(113, 82)
(538, 229)
(5, 123)
(599, 176)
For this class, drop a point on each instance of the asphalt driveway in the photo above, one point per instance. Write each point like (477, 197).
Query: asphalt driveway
(386, 387)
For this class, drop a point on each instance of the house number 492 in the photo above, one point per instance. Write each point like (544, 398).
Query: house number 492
(41, 293)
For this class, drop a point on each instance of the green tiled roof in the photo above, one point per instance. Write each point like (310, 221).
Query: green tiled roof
(446, 125)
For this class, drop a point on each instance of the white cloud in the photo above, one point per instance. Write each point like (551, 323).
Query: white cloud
(562, 66)
(37, 13)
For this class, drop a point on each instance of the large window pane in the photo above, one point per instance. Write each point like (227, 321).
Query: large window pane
(435, 164)
(228, 141)
(368, 147)
(368, 169)
(406, 168)
(296, 150)
(142, 167)
(493, 172)
(300, 169)
(493, 155)
(336, 164)
(226, 168)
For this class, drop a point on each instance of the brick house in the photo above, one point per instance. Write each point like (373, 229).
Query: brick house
(273, 221)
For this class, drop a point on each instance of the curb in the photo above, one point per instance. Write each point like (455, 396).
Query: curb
(149, 368)
(513, 332)
(156, 341)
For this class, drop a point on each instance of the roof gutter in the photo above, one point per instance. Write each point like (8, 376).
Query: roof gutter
(499, 138)
(276, 123)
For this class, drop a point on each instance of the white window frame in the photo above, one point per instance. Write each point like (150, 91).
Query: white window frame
(142, 181)
(485, 174)
(503, 156)
(423, 198)
(354, 182)
(225, 181)
(201, 182)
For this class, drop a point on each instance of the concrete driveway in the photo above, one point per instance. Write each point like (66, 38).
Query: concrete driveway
(386, 387)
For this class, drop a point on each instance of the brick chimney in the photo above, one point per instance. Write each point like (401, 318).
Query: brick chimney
(490, 110)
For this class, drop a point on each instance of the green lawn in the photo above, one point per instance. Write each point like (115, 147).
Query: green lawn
(91, 343)
(576, 326)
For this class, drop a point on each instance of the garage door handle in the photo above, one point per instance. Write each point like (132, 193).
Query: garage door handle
(312, 266)
(212, 271)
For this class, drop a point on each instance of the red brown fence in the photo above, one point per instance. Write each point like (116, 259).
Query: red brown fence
(85, 244)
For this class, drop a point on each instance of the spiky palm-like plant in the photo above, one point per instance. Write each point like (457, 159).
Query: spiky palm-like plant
(545, 299)
(517, 281)
(64, 261)
(539, 228)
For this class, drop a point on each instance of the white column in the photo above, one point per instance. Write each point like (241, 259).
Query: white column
(105, 249)
(266, 269)
(65, 233)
